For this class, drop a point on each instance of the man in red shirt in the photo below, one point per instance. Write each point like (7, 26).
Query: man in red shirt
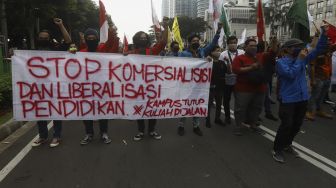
(249, 95)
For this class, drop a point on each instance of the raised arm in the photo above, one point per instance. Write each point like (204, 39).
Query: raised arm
(66, 36)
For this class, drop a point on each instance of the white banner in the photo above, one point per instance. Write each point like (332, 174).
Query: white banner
(63, 86)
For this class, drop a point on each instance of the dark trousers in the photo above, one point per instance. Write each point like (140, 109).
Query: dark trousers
(151, 125)
(43, 129)
(89, 126)
(227, 92)
(267, 102)
(291, 115)
(217, 94)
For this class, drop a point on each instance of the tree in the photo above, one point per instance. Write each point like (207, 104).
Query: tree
(76, 14)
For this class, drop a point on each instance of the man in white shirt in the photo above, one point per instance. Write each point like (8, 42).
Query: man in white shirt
(227, 57)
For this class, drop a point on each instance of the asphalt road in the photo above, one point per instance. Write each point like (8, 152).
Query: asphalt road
(218, 159)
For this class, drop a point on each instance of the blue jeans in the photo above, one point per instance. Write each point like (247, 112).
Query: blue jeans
(43, 129)
(318, 92)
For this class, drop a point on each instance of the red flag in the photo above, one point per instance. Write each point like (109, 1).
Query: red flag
(103, 25)
(331, 33)
(125, 49)
(260, 23)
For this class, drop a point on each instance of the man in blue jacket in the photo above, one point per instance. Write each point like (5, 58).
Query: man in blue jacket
(194, 51)
(293, 92)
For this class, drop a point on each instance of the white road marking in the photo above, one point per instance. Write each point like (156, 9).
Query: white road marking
(16, 160)
(310, 156)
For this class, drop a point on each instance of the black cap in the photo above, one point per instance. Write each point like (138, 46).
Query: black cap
(91, 31)
(293, 42)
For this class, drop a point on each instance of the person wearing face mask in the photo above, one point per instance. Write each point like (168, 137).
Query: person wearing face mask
(227, 57)
(174, 49)
(249, 96)
(216, 86)
(44, 44)
(92, 45)
(194, 51)
(142, 45)
(293, 92)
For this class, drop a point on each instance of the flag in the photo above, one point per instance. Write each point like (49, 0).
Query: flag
(310, 18)
(298, 15)
(176, 33)
(216, 12)
(243, 37)
(155, 19)
(211, 8)
(260, 23)
(225, 22)
(170, 38)
(103, 25)
(331, 33)
(125, 48)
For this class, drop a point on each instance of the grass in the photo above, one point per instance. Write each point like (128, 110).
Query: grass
(5, 117)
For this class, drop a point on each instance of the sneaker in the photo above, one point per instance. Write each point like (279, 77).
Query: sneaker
(198, 131)
(139, 136)
(310, 116)
(155, 135)
(55, 142)
(228, 120)
(105, 138)
(292, 151)
(39, 142)
(278, 156)
(271, 117)
(219, 122)
(87, 139)
(324, 114)
(180, 131)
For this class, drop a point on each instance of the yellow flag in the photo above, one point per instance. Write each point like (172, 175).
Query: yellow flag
(176, 33)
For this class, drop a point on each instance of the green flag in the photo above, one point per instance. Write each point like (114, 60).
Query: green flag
(298, 16)
(225, 23)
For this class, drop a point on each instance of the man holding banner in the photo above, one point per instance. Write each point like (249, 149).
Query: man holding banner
(44, 42)
(195, 51)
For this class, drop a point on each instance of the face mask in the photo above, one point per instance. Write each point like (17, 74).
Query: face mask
(232, 47)
(143, 43)
(215, 55)
(296, 51)
(251, 51)
(43, 43)
(92, 45)
(175, 49)
(195, 46)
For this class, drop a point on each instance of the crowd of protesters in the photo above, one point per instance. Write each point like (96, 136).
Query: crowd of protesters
(248, 74)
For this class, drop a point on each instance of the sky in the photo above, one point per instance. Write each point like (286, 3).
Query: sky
(131, 16)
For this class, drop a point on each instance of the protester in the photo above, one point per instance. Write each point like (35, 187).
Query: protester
(174, 49)
(92, 45)
(142, 45)
(253, 72)
(194, 51)
(228, 56)
(44, 43)
(216, 86)
(293, 92)
(320, 79)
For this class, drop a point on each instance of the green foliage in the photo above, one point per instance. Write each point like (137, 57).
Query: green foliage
(189, 25)
(5, 92)
(76, 14)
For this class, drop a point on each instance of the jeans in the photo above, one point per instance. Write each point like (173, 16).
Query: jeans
(43, 129)
(318, 92)
(291, 115)
(248, 106)
(151, 125)
(227, 92)
(216, 93)
(89, 126)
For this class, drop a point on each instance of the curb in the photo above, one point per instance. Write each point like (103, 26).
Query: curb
(9, 127)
